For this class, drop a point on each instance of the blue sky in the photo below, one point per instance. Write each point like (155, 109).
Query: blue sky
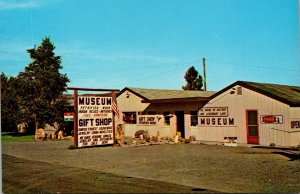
(151, 43)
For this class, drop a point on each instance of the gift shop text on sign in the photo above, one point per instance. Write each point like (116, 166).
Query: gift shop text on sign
(95, 121)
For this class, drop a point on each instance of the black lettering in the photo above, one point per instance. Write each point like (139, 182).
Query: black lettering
(224, 121)
(108, 101)
(150, 119)
(98, 101)
(202, 121)
(103, 101)
(219, 121)
(231, 121)
(105, 121)
(85, 122)
(92, 101)
(81, 101)
(213, 121)
(81, 122)
(208, 121)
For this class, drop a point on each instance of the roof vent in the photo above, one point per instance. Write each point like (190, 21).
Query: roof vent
(239, 90)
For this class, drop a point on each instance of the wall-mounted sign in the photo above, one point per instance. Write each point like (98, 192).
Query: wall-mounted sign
(218, 121)
(68, 116)
(95, 121)
(147, 119)
(295, 124)
(213, 112)
(271, 119)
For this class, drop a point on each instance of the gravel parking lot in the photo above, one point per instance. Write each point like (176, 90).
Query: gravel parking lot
(207, 167)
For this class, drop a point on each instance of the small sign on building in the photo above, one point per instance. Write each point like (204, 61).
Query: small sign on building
(68, 116)
(213, 112)
(271, 119)
(147, 119)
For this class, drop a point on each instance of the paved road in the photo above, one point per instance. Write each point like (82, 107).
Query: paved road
(215, 168)
(26, 176)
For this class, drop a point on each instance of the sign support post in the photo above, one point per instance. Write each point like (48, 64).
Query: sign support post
(75, 118)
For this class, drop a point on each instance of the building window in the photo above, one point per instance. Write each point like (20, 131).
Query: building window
(129, 117)
(167, 118)
(194, 118)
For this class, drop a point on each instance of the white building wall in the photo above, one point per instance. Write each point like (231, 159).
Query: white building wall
(237, 107)
(187, 125)
(295, 125)
(129, 102)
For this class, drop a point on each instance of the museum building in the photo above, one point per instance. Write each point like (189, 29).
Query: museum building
(248, 112)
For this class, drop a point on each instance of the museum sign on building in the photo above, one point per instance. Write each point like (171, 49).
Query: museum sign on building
(254, 113)
(251, 113)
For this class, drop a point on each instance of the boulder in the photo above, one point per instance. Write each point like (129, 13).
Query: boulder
(154, 138)
(60, 135)
(187, 141)
(22, 128)
(193, 138)
(40, 134)
(128, 140)
(140, 141)
(158, 136)
(147, 136)
(50, 131)
(176, 139)
(139, 133)
(56, 125)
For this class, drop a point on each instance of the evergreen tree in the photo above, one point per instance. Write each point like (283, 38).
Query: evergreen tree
(41, 86)
(193, 79)
(9, 104)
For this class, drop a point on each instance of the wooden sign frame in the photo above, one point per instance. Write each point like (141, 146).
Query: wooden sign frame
(113, 96)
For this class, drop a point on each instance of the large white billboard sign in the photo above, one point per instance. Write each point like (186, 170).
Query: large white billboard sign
(95, 121)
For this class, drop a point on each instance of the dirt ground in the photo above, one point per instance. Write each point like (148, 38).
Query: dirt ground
(35, 167)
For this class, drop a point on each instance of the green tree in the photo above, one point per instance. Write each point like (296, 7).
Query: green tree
(9, 104)
(194, 81)
(41, 86)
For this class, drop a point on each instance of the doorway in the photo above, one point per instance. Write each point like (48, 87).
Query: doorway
(252, 127)
(180, 122)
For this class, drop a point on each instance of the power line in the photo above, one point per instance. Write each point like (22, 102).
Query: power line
(250, 66)
(125, 69)
(157, 74)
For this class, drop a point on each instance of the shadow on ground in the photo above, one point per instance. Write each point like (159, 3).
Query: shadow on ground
(26, 176)
(291, 153)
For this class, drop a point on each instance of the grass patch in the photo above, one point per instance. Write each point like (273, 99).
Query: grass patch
(11, 137)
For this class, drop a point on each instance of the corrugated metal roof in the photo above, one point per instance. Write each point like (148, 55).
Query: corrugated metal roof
(155, 94)
(287, 94)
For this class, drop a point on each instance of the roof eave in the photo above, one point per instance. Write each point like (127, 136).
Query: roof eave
(132, 91)
(176, 100)
(263, 92)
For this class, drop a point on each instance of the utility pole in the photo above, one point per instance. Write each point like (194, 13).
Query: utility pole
(204, 74)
